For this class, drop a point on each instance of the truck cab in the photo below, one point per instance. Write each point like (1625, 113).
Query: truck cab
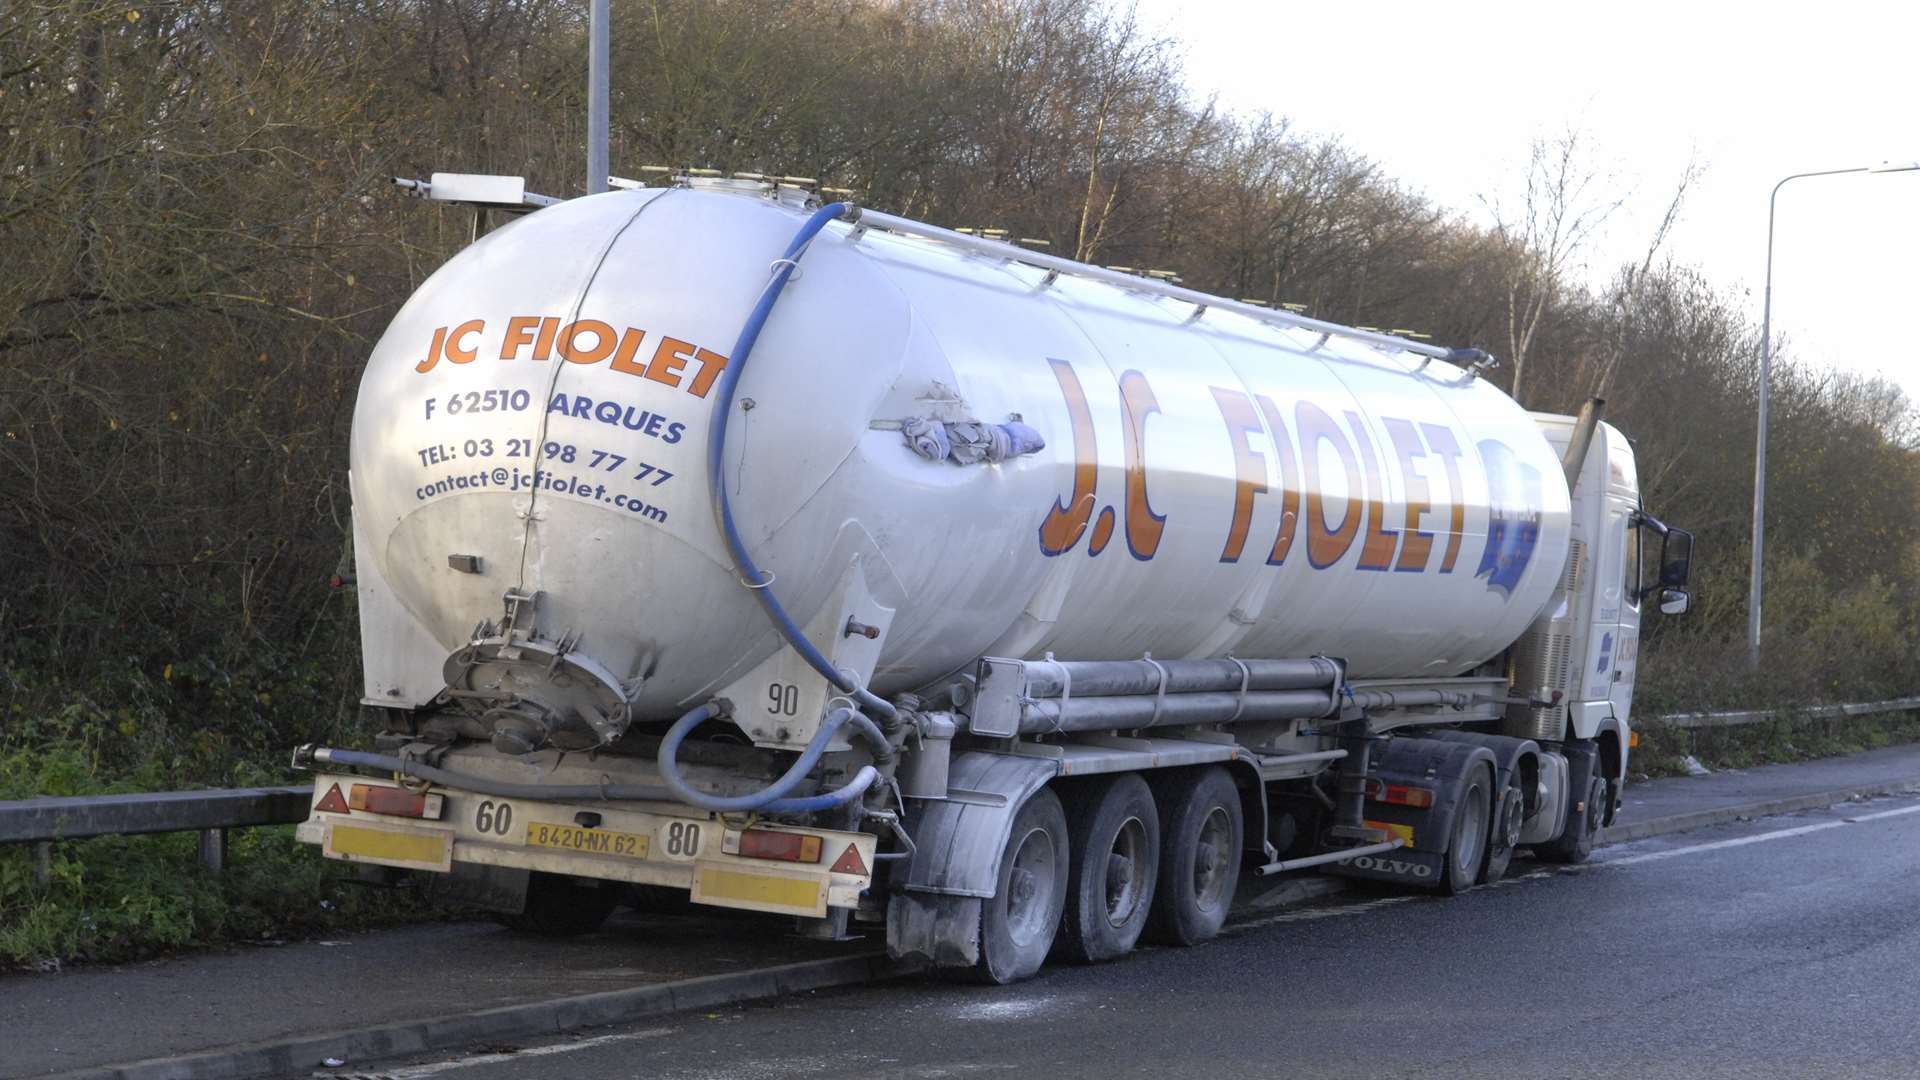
(1582, 654)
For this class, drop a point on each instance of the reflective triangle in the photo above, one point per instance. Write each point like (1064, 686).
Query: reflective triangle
(849, 862)
(332, 802)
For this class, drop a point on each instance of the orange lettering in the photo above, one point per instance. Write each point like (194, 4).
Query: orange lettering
(519, 335)
(1144, 527)
(603, 341)
(543, 345)
(668, 358)
(1289, 482)
(1067, 520)
(1327, 545)
(623, 359)
(1418, 546)
(433, 351)
(457, 353)
(1441, 440)
(711, 365)
(1377, 552)
(1249, 468)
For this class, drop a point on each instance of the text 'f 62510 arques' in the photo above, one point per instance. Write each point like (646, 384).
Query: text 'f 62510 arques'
(812, 560)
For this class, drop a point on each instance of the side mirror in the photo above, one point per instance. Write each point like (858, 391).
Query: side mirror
(1674, 601)
(1676, 560)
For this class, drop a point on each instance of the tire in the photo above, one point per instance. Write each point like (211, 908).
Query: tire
(1466, 849)
(1202, 828)
(1115, 839)
(562, 907)
(1504, 833)
(1576, 844)
(1019, 923)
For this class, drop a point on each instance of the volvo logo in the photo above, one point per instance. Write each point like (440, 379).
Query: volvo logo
(1393, 866)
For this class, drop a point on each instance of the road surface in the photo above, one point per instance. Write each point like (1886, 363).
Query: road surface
(1785, 946)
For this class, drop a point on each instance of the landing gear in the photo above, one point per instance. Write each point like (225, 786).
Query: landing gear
(560, 907)
(1115, 842)
(1201, 828)
(1019, 923)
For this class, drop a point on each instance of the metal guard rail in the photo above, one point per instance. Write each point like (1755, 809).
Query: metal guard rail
(1762, 716)
(210, 813)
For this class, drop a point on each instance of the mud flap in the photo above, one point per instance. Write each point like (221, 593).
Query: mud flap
(940, 930)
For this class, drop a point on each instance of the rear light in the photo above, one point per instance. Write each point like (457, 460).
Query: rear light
(1400, 795)
(785, 846)
(393, 802)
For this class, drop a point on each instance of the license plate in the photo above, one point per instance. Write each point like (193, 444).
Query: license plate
(415, 849)
(590, 841)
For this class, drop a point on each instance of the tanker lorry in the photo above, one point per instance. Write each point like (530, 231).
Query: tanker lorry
(805, 559)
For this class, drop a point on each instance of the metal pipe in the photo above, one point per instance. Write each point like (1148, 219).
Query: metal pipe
(1275, 760)
(1403, 699)
(1057, 265)
(597, 97)
(1583, 429)
(1146, 710)
(1107, 678)
(1329, 857)
(483, 785)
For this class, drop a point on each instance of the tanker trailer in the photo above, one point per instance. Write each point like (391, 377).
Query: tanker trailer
(805, 559)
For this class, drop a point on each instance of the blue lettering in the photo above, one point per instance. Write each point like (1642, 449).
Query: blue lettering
(673, 432)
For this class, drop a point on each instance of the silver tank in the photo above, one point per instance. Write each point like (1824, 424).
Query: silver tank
(534, 422)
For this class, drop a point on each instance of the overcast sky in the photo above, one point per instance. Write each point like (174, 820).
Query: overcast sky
(1447, 96)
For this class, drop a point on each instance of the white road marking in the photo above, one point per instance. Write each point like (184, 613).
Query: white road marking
(1315, 913)
(437, 1067)
(1759, 838)
(1888, 813)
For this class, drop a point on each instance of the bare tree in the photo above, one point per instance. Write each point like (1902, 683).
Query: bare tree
(1561, 206)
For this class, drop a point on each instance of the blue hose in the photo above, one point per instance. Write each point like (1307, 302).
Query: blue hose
(750, 574)
(769, 797)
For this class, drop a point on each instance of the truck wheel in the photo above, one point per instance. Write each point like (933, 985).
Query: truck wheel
(1505, 834)
(1115, 838)
(1576, 843)
(1201, 828)
(1019, 922)
(1466, 849)
(559, 906)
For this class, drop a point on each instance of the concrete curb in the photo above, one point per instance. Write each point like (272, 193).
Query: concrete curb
(552, 1017)
(561, 1015)
(1700, 819)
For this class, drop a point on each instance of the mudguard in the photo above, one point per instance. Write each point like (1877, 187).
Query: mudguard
(1441, 765)
(934, 912)
(957, 841)
(1509, 754)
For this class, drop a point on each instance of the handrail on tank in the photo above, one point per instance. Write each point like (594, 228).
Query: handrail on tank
(873, 219)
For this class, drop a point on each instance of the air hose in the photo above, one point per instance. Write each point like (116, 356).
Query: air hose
(770, 798)
(757, 581)
(767, 800)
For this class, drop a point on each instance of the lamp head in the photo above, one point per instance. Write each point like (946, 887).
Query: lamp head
(1894, 166)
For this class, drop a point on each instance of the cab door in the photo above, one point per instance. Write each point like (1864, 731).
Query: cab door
(1618, 666)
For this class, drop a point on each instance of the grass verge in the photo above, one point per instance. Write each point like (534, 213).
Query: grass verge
(1664, 749)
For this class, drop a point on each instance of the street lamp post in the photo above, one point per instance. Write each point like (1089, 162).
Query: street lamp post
(1766, 369)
